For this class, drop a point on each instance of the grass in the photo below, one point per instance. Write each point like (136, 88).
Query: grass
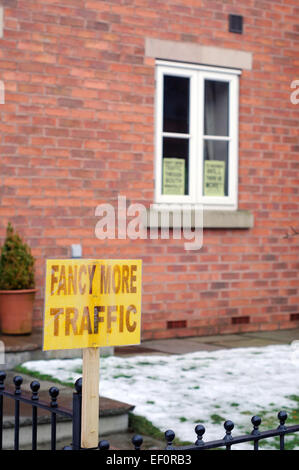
(144, 427)
(39, 376)
(270, 421)
(198, 421)
(122, 376)
(127, 367)
(217, 419)
(143, 363)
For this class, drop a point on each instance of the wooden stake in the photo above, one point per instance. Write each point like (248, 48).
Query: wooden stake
(90, 398)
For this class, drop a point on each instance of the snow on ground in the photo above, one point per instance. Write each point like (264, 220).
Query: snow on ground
(179, 391)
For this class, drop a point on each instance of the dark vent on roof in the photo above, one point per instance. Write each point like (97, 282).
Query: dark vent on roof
(235, 24)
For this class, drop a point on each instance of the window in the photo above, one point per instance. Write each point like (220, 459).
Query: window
(196, 135)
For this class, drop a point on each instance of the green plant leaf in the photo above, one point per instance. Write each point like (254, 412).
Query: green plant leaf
(16, 263)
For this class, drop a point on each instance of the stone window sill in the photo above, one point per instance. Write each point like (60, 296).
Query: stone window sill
(237, 219)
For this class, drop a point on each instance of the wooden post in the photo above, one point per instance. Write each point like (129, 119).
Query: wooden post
(90, 398)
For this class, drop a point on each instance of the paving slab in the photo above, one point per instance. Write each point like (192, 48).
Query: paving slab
(214, 342)
(280, 336)
(246, 343)
(20, 349)
(179, 346)
(213, 339)
(136, 350)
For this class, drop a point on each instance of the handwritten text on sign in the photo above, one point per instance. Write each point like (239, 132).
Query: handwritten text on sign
(92, 303)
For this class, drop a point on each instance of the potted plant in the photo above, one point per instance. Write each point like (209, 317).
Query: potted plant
(17, 285)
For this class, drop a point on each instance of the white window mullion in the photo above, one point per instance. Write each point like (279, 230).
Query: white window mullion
(200, 133)
(233, 132)
(192, 139)
(158, 133)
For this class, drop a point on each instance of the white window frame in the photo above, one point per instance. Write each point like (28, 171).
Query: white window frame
(197, 75)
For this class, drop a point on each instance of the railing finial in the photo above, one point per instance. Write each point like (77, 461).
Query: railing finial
(282, 416)
(169, 436)
(2, 379)
(228, 426)
(137, 441)
(104, 445)
(78, 385)
(53, 392)
(200, 430)
(18, 380)
(256, 421)
(35, 386)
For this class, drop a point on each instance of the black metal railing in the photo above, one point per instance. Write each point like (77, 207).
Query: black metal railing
(228, 440)
(33, 400)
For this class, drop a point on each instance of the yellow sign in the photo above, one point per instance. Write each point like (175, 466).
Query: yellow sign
(173, 176)
(214, 178)
(92, 303)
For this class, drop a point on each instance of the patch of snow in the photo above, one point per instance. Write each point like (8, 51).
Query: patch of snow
(179, 391)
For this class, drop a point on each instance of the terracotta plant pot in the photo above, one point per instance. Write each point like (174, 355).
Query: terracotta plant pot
(16, 311)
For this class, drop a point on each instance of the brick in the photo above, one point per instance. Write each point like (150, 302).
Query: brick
(16, 181)
(70, 103)
(77, 129)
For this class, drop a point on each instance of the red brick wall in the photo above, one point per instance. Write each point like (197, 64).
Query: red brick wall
(77, 127)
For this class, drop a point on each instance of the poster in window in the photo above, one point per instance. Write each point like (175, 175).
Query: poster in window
(173, 176)
(214, 178)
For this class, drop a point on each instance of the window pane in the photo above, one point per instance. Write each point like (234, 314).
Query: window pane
(176, 104)
(215, 174)
(216, 108)
(175, 171)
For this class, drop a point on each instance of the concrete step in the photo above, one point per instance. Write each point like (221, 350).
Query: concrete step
(113, 418)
